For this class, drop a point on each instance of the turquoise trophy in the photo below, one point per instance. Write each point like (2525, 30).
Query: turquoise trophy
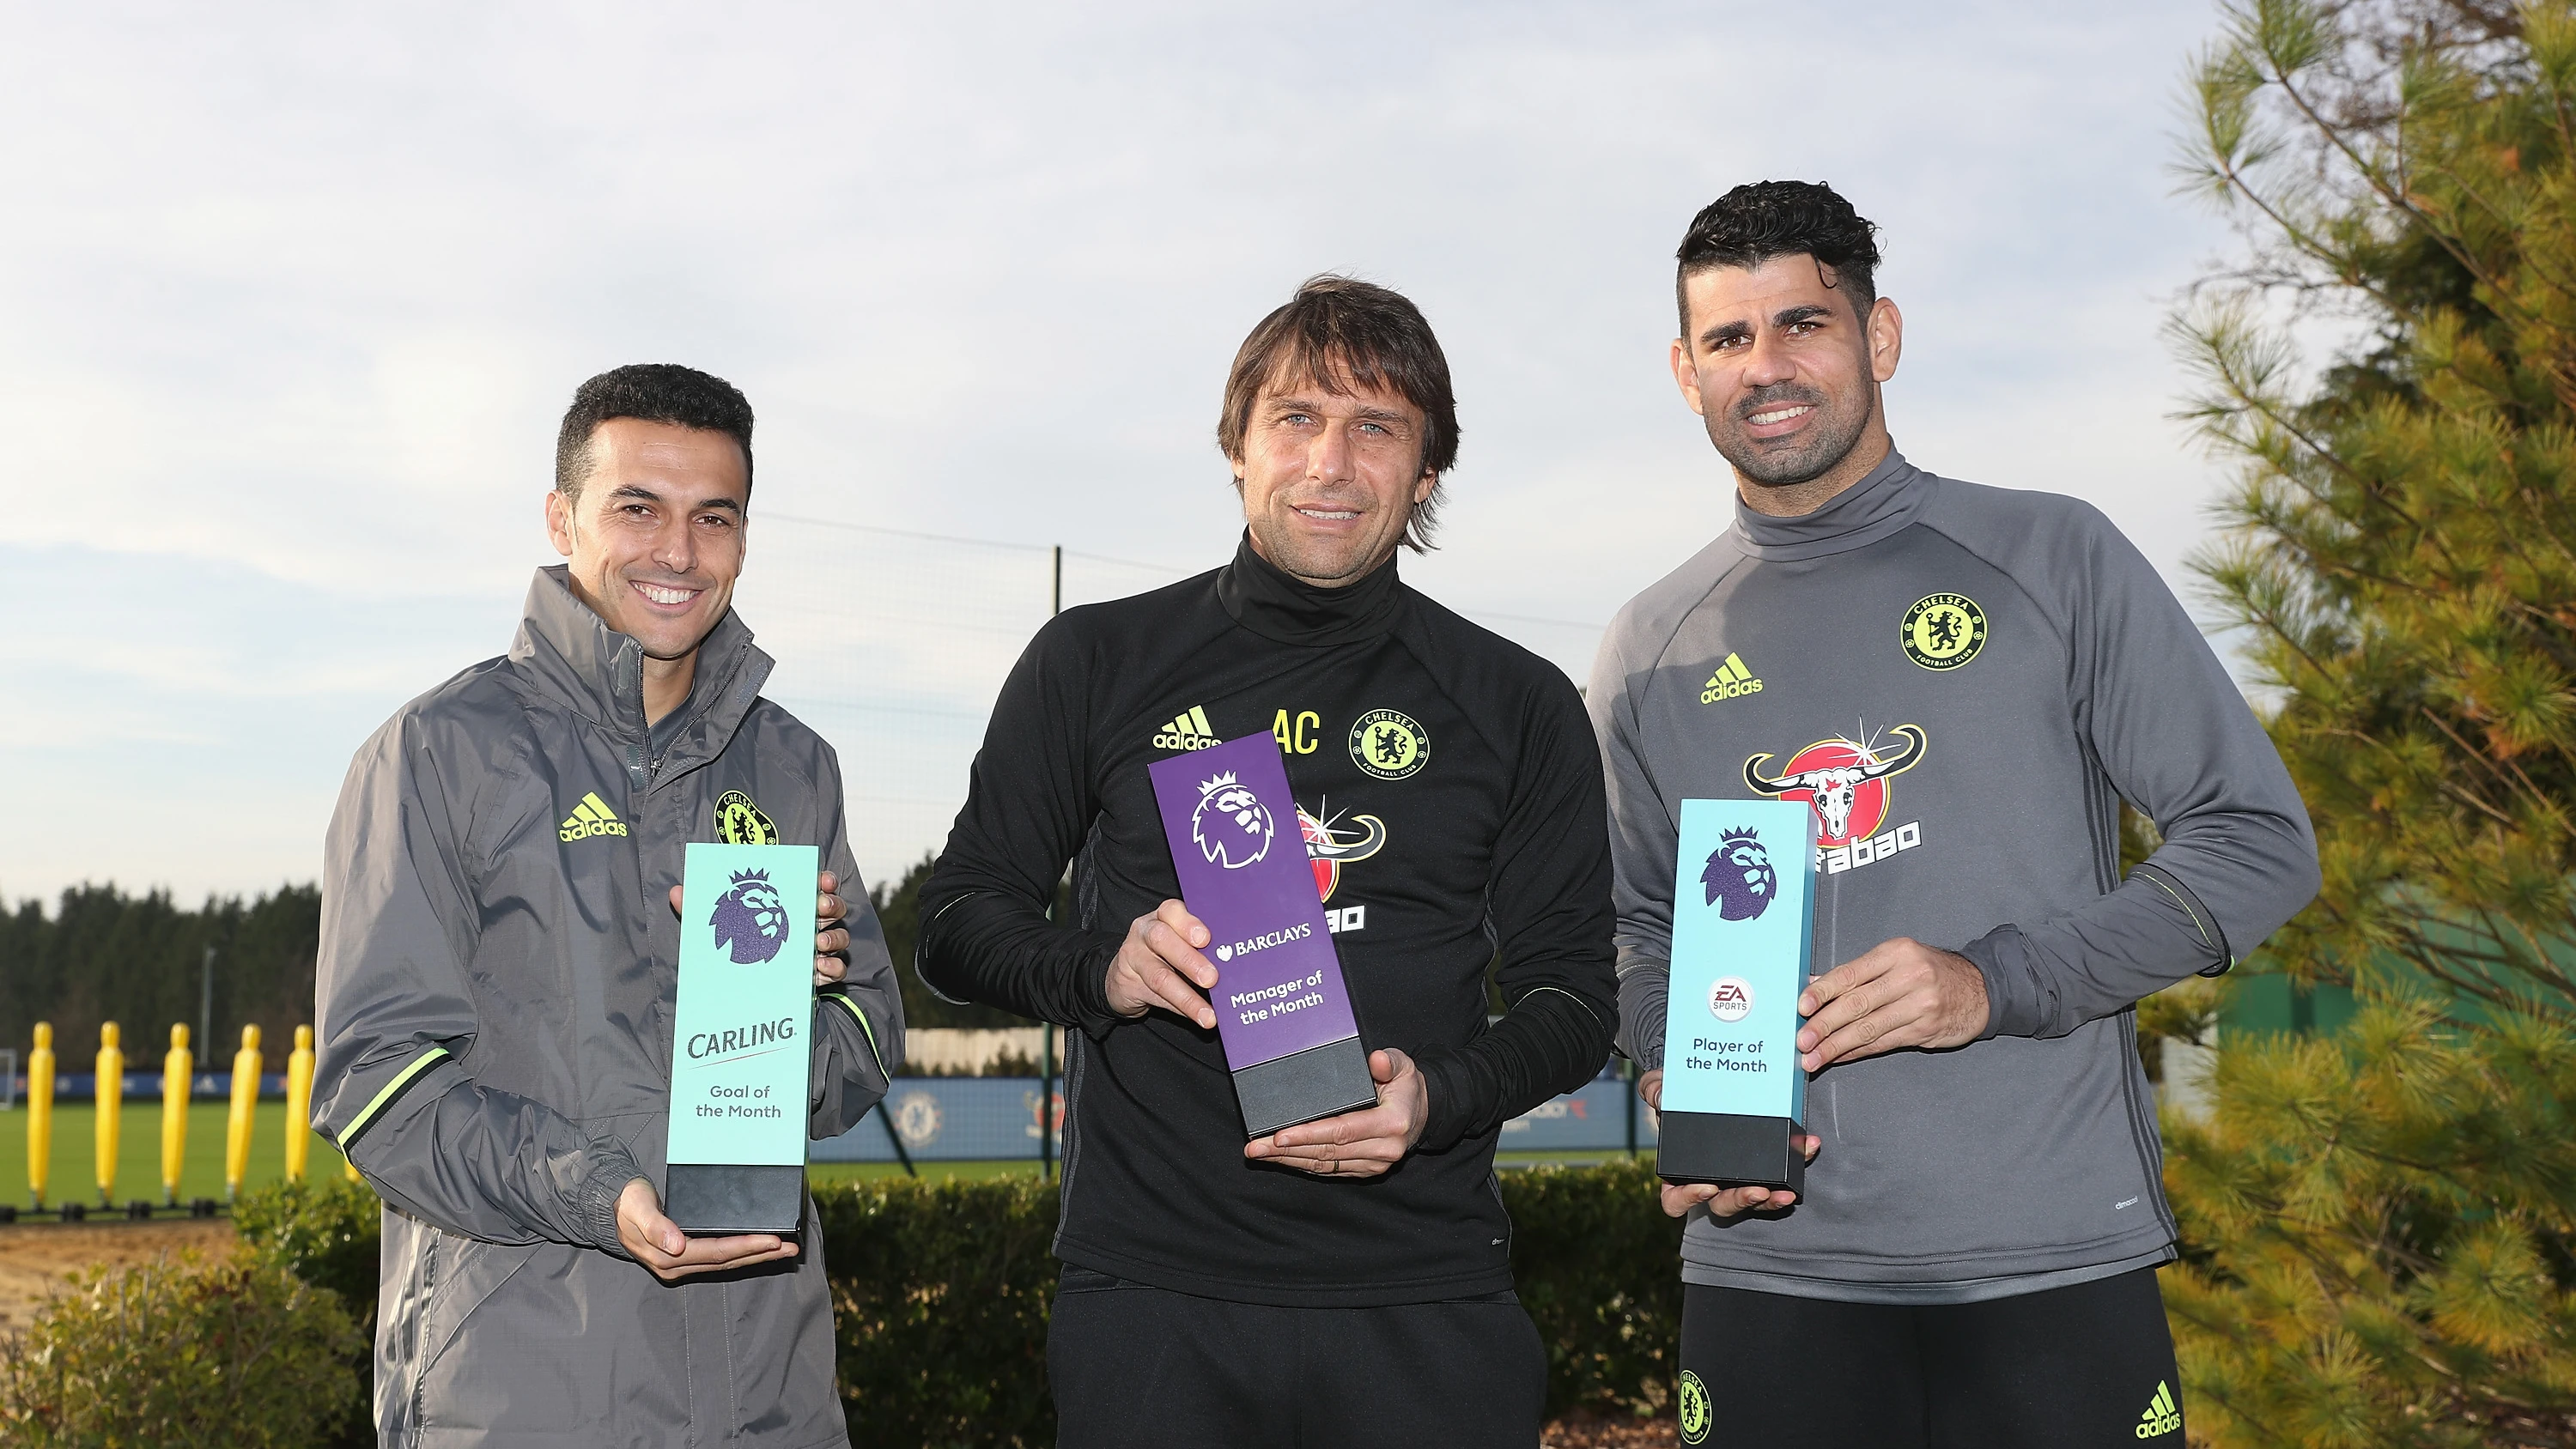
(739, 1054)
(1743, 929)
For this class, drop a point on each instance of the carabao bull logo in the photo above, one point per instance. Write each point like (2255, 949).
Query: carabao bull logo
(1739, 874)
(1231, 826)
(1329, 848)
(1844, 781)
(750, 920)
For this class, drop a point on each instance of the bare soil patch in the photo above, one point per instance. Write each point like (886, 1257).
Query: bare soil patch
(1623, 1433)
(35, 1258)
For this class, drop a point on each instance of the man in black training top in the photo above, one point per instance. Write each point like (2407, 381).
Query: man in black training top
(1348, 1279)
(1963, 684)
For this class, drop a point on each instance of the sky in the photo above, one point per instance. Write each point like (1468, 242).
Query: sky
(292, 298)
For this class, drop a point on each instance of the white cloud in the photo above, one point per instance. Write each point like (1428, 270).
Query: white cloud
(291, 300)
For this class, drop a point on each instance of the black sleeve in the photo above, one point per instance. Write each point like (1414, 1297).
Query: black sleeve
(1548, 909)
(985, 936)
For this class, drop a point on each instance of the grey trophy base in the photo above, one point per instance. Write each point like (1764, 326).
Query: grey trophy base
(1730, 1151)
(1302, 1086)
(712, 1200)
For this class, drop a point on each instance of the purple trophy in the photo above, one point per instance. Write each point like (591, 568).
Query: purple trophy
(1281, 1008)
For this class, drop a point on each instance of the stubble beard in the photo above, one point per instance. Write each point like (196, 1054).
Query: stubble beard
(1827, 444)
(1324, 564)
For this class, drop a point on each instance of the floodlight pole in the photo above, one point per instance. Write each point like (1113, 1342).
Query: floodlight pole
(206, 1005)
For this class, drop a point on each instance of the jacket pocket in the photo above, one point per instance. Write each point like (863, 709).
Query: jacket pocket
(459, 1276)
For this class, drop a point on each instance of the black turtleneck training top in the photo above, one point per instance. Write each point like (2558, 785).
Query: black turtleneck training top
(1450, 794)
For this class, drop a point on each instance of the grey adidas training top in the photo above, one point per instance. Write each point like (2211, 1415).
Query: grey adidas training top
(493, 1015)
(1964, 683)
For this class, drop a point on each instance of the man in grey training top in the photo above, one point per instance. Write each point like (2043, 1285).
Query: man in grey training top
(1963, 683)
(498, 959)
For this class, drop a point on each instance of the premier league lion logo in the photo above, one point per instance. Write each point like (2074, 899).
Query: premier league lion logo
(1231, 826)
(1740, 874)
(750, 920)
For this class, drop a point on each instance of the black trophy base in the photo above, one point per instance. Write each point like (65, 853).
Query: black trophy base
(709, 1200)
(1730, 1151)
(1302, 1086)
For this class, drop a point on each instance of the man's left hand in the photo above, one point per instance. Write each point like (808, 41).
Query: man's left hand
(829, 939)
(1899, 993)
(1357, 1144)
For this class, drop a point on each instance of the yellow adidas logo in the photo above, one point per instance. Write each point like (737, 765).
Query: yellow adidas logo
(1189, 730)
(1730, 680)
(591, 817)
(2163, 1415)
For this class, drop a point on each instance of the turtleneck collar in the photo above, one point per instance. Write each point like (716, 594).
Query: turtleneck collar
(573, 655)
(1883, 501)
(1276, 606)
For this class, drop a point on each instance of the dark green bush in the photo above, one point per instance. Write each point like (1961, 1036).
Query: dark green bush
(940, 1294)
(941, 1289)
(1599, 1268)
(234, 1352)
(324, 1231)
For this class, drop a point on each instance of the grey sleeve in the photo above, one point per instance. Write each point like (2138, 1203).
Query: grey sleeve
(2178, 741)
(858, 1024)
(1643, 837)
(394, 1017)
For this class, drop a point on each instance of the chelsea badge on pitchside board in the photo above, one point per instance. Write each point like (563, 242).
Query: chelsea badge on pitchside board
(739, 1054)
(1743, 929)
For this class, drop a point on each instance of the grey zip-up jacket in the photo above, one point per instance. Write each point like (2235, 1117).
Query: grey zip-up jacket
(494, 1006)
(1963, 683)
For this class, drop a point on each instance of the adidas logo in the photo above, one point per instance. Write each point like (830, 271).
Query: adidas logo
(1730, 680)
(591, 817)
(2163, 1415)
(1189, 730)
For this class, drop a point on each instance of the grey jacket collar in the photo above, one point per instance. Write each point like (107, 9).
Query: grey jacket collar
(571, 656)
(1883, 501)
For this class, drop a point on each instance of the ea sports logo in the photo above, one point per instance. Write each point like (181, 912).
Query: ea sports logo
(1731, 999)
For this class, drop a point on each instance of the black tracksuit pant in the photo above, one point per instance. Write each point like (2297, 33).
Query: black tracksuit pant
(1132, 1365)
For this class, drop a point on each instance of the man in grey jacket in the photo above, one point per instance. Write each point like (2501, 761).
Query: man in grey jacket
(1964, 684)
(498, 954)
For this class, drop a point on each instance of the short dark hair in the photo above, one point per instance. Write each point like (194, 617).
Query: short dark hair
(1761, 220)
(657, 392)
(1339, 333)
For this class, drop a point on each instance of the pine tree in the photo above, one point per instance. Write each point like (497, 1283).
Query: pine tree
(2380, 1225)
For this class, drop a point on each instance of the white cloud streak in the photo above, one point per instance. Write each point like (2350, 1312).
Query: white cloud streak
(291, 299)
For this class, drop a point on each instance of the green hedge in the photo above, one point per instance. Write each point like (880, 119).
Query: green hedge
(182, 1351)
(940, 1291)
(1599, 1268)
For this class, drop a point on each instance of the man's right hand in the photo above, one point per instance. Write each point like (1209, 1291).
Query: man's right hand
(1159, 965)
(657, 1242)
(1723, 1202)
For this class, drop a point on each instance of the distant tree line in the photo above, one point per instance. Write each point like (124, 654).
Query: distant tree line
(101, 954)
(899, 912)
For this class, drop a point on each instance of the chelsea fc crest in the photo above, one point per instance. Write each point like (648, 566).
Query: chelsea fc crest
(1944, 631)
(740, 822)
(1388, 744)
